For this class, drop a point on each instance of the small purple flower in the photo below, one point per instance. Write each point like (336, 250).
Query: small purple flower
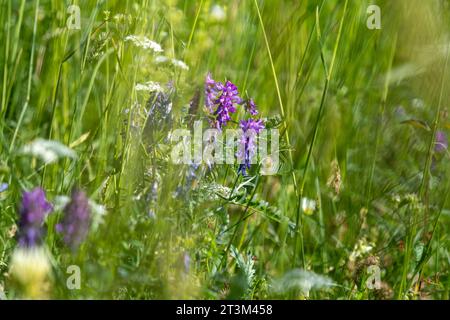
(152, 195)
(76, 221)
(152, 198)
(221, 100)
(32, 213)
(186, 262)
(212, 89)
(3, 187)
(247, 149)
(191, 177)
(251, 107)
(441, 142)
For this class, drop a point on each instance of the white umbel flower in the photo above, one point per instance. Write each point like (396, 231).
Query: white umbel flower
(175, 62)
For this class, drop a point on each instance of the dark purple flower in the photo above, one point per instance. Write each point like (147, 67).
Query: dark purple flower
(76, 221)
(247, 149)
(250, 107)
(221, 100)
(441, 142)
(32, 213)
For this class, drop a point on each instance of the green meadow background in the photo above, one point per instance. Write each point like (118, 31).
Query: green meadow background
(358, 111)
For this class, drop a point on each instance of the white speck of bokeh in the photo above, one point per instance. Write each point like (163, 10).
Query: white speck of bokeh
(161, 59)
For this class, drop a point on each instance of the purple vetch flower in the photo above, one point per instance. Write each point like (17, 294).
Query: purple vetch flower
(247, 149)
(251, 107)
(221, 100)
(32, 213)
(441, 142)
(3, 187)
(76, 221)
(159, 115)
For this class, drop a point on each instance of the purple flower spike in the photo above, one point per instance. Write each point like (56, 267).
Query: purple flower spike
(76, 221)
(32, 213)
(247, 150)
(441, 142)
(221, 100)
(251, 107)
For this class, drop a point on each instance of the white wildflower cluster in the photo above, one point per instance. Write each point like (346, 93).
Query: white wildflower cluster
(98, 210)
(175, 62)
(145, 43)
(215, 191)
(149, 86)
(361, 248)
